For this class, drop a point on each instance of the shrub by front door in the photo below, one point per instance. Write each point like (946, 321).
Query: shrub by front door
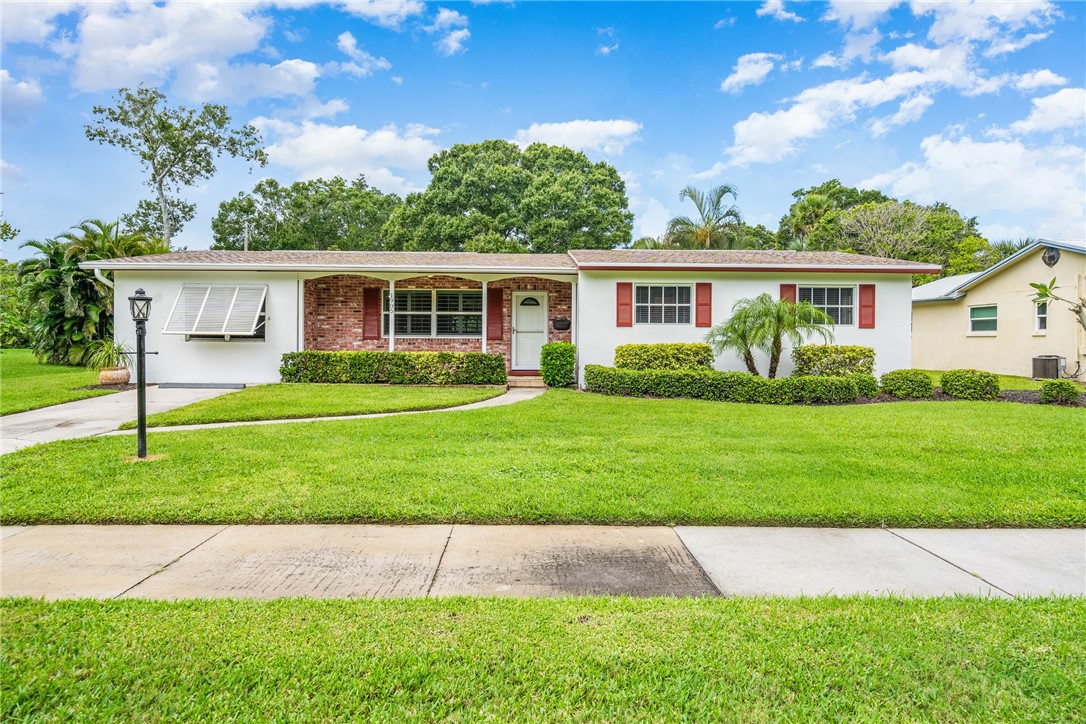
(529, 329)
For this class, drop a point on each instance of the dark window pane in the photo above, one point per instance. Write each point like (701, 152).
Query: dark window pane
(684, 295)
(984, 325)
(656, 315)
(684, 315)
(669, 315)
(804, 294)
(846, 315)
(669, 295)
(833, 296)
(656, 295)
(846, 296)
(642, 316)
(459, 324)
(642, 295)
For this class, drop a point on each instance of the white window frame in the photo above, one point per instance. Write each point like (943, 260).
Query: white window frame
(434, 314)
(1040, 318)
(677, 305)
(983, 332)
(853, 312)
(233, 317)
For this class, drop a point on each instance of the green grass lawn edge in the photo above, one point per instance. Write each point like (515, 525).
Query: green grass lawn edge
(586, 659)
(27, 385)
(285, 401)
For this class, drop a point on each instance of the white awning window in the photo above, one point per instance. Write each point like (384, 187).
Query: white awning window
(218, 310)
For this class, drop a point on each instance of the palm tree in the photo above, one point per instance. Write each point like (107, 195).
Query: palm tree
(717, 226)
(805, 215)
(94, 239)
(765, 323)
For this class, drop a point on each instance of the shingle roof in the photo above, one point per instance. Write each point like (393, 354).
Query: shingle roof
(329, 259)
(738, 258)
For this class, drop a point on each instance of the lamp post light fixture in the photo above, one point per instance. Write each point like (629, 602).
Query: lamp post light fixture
(140, 304)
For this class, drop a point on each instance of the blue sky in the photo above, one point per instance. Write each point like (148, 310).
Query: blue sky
(981, 105)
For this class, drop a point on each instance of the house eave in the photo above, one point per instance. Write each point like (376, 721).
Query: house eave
(331, 268)
(830, 269)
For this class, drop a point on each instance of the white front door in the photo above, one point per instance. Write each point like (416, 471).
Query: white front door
(529, 329)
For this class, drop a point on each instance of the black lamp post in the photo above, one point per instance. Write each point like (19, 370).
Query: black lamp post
(140, 304)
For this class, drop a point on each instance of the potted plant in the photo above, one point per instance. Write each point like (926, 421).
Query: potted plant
(110, 358)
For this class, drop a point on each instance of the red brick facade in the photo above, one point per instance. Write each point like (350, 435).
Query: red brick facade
(334, 313)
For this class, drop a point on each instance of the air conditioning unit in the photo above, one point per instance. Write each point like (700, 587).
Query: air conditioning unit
(1047, 366)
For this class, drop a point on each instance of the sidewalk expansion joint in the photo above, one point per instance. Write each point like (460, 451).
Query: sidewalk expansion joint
(441, 558)
(175, 560)
(704, 573)
(949, 562)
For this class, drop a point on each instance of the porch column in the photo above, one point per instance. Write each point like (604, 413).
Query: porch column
(483, 335)
(391, 315)
(576, 336)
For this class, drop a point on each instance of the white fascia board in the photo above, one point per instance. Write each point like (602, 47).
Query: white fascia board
(628, 266)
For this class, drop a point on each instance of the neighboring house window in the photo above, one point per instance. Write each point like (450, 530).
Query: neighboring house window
(224, 311)
(436, 313)
(662, 304)
(837, 302)
(1041, 317)
(982, 319)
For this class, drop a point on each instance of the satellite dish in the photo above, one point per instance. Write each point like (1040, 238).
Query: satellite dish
(1051, 256)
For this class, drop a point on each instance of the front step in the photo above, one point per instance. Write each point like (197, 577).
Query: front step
(526, 382)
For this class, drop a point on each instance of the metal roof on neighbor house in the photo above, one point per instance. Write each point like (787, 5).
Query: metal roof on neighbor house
(942, 289)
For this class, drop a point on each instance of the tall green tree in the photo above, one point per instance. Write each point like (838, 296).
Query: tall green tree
(801, 228)
(764, 323)
(493, 196)
(176, 146)
(317, 214)
(718, 225)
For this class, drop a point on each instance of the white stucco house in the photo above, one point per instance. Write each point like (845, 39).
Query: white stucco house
(229, 316)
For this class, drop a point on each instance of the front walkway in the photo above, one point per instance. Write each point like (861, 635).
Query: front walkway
(92, 416)
(376, 561)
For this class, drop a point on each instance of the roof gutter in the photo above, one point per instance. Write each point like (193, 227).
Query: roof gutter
(145, 266)
(101, 277)
(844, 269)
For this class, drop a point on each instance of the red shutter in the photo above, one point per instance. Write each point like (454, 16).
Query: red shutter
(494, 312)
(703, 298)
(371, 313)
(867, 306)
(788, 291)
(624, 309)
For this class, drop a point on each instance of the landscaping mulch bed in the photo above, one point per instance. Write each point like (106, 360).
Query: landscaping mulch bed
(111, 388)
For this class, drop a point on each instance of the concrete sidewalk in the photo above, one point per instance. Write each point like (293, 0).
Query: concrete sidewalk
(376, 561)
(92, 416)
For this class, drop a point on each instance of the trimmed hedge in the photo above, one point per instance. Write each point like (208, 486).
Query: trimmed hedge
(719, 386)
(907, 383)
(970, 384)
(1059, 392)
(866, 385)
(674, 356)
(556, 363)
(395, 368)
(833, 360)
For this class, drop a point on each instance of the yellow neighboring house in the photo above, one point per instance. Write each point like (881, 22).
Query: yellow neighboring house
(989, 321)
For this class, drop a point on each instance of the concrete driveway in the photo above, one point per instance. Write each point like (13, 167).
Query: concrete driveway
(377, 561)
(93, 416)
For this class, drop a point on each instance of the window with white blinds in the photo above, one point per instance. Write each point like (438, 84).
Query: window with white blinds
(219, 310)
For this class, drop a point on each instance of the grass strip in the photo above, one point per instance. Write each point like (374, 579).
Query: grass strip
(1006, 382)
(585, 659)
(570, 457)
(28, 385)
(287, 401)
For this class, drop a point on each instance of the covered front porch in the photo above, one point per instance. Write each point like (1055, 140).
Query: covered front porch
(510, 315)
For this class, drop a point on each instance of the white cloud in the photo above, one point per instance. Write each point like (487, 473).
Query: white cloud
(606, 50)
(750, 69)
(608, 137)
(446, 19)
(31, 22)
(724, 23)
(859, 14)
(857, 45)
(453, 27)
(320, 150)
(1010, 45)
(397, 80)
(10, 173)
(776, 9)
(454, 42)
(994, 22)
(1038, 79)
(1062, 109)
(244, 81)
(386, 13)
(363, 64)
(19, 98)
(1041, 188)
(910, 110)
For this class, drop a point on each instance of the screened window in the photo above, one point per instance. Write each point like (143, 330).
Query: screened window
(982, 319)
(662, 304)
(1041, 317)
(219, 310)
(436, 313)
(837, 302)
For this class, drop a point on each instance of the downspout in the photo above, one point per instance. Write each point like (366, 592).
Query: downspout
(101, 277)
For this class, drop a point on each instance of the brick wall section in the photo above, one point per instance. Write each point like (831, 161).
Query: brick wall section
(333, 313)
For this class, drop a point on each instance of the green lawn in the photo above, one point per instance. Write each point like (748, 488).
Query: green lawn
(574, 457)
(1006, 382)
(587, 659)
(285, 401)
(27, 385)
